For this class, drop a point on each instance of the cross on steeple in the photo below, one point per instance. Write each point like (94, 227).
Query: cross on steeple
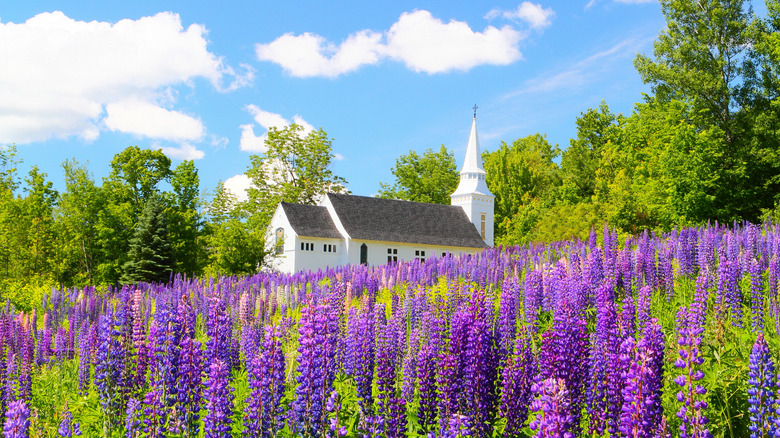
(475, 110)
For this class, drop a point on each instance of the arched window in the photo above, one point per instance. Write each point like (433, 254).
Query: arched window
(363, 254)
(279, 243)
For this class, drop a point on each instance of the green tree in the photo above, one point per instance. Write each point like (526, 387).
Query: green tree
(523, 177)
(295, 168)
(430, 178)
(706, 70)
(150, 257)
(185, 223)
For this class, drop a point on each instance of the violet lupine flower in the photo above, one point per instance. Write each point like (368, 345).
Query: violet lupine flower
(517, 380)
(307, 408)
(533, 297)
(219, 401)
(762, 391)
(691, 394)
(395, 424)
(109, 368)
(266, 380)
(509, 307)
(189, 383)
(133, 416)
(385, 375)
(481, 370)
(553, 410)
(426, 386)
(85, 359)
(17, 420)
(756, 295)
(458, 426)
(627, 319)
(409, 370)
(362, 352)
(67, 427)
(448, 383)
(733, 290)
(603, 394)
(643, 377)
(219, 329)
(154, 413)
(563, 355)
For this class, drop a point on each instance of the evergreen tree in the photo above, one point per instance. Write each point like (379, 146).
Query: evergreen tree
(150, 254)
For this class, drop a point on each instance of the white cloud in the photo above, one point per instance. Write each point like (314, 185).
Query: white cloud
(149, 120)
(533, 14)
(184, 152)
(238, 185)
(254, 143)
(65, 72)
(311, 55)
(249, 141)
(419, 40)
(338, 157)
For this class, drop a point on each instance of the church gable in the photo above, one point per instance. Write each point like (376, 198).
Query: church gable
(389, 220)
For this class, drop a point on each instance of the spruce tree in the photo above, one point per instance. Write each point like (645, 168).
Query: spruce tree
(150, 254)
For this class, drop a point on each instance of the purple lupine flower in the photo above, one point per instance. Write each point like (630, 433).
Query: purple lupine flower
(189, 382)
(627, 320)
(517, 380)
(691, 394)
(448, 383)
(481, 369)
(17, 420)
(133, 416)
(762, 391)
(458, 426)
(395, 425)
(109, 369)
(362, 353)
(409, 370)
(139, 346)
(533, 297)
(733, 290)
(643, 365)
(385, 375)
(266, 380)
(308, 407)
(603, 394)
(426, 385)
(756, 295)
(85, 359)
(154, 413)
(219, 329)
(643, 306)
(553, 410)
(219, 401)
(508, 310)
(67, 427)
(563, 355)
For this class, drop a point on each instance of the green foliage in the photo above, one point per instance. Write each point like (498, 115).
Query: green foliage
(150, 254)
(430, 177)
(523, 176)
(295, 169)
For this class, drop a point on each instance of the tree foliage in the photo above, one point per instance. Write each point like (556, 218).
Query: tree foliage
(430, 177)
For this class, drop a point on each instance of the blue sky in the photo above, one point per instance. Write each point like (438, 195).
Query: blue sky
(204, 80)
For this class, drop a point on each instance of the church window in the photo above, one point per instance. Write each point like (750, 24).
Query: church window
(392, 255)
(364, 254)
(329, 247)
(307, 246)
(279, 243)
(419, 255)
(482, 225)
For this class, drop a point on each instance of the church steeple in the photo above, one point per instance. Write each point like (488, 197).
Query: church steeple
(472, 193)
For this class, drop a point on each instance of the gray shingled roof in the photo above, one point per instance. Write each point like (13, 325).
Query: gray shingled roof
(403, 221)
(311, 221)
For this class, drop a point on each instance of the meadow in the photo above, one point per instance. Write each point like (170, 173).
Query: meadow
(647, 336)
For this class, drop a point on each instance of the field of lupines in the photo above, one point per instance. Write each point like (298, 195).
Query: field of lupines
(669, 335)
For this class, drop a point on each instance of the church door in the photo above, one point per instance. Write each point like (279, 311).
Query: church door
(363, 254)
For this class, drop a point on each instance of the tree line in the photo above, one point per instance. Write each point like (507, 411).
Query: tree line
(703, 145)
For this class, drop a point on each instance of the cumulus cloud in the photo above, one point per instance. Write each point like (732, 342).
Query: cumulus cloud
(64, 77)
(149, 120)
(266, 119)
(184, 152)
(532, 14)
(419, 40)
(238, 185)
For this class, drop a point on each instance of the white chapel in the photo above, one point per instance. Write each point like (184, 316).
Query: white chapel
(348, 229)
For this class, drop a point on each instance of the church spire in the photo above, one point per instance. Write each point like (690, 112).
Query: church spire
(472, 193)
